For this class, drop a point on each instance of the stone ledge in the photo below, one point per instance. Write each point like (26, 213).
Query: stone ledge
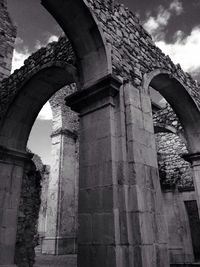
(7, 154)
(68, 133)
(105, 87)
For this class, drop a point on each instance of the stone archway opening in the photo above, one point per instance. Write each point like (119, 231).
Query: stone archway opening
(183, 105)
(26, 105)
(176, 130)
(56, 238)
(16, 126)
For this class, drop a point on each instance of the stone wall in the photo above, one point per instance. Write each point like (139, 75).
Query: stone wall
(30, 200)
(63, 116)
(173, 169)
(179, 233)
(133, 51)
(55, 54)
(7, 40)
(171, 145)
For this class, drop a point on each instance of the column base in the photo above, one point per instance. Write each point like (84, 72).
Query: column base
(59, 245)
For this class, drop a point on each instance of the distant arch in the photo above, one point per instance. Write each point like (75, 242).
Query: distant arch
(181, 101)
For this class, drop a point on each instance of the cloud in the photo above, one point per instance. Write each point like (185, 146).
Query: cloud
(156, 25)
(184, 50)
(45, 113)
(18, 62)
(49, 39)
(18, 59)
(18, 41)
(177, 7)
(19, 55)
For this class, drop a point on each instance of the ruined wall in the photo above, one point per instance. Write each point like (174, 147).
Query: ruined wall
(133, 53)
(7, 40)
(31, 208)
(28, 216)
(55, 54)
(63, 116)
(173, 169)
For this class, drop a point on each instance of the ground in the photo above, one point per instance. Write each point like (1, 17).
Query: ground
(55, 261)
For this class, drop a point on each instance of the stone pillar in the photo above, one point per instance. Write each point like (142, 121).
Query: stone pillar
(194, 160)
(7, 40)
(99, 237)
(44, 192)
(147, 228)
(61, 220)
(12, 165)
(120, 204)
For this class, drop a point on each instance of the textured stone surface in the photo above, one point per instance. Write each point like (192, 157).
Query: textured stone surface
(179, 237)
(61, 220)
(45, 171)
(171, 145)
(173, 169)
(56, 54)
(7, 40)
(30, 200)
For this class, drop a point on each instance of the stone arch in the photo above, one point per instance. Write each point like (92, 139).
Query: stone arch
(21, 99)
(178, 96)
(80, 25)
(32, 95)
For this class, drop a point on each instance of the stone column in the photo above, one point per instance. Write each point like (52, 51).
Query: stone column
(147, 228)
(61, 220)
(12, 165)
(99, 233)
(194, 160)
(120, 204)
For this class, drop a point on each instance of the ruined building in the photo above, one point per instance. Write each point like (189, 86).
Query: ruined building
(124, 189)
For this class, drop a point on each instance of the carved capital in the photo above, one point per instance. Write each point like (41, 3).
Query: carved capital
(66, 132)
(105, 89)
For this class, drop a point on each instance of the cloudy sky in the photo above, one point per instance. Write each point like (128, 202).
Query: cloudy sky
(174, 25)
